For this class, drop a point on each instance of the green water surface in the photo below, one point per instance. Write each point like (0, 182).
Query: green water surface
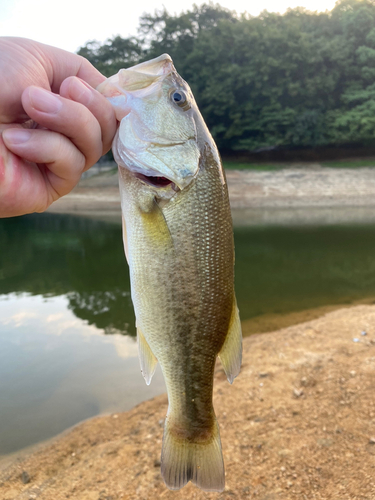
(279, 269)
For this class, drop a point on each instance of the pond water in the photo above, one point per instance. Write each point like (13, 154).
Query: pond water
(67, 336)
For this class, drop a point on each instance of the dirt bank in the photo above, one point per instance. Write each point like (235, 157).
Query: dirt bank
(294, 187)
(298, 423)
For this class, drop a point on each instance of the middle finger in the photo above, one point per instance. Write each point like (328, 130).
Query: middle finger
(78, 90)
(69, 118)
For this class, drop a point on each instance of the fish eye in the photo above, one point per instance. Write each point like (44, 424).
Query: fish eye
(179, 98)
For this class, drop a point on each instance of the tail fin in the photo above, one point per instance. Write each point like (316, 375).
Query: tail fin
(201, 463)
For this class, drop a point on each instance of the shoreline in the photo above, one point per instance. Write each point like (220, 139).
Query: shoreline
(306, 387)
(293, 188)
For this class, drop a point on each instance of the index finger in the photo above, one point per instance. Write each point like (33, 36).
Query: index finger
(57, 63)
(64, 64)
(24, 62)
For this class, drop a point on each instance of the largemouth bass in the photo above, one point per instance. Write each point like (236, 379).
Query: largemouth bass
(178, 239)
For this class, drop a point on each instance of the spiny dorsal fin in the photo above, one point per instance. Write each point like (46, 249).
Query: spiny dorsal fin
(146, 358)
(231, 352)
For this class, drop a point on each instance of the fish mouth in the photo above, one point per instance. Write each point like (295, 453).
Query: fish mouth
(157, 181)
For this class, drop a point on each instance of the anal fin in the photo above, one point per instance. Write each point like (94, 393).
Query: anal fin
(231, 352)
(146, 357)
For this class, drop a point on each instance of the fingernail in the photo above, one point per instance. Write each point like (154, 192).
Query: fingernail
(79, 92)
(45, 101)
(16, 135)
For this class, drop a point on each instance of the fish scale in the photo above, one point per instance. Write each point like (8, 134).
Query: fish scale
(179, 243)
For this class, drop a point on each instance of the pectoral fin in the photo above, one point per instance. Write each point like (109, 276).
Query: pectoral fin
(146, 358)
(155, 226)
(231, 352)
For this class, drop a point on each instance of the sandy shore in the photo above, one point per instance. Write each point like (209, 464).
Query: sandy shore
(298, 423)
(294, 188)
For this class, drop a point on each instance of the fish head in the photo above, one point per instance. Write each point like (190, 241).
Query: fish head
(157, 139)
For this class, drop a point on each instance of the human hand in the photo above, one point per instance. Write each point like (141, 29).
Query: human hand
(72, 125)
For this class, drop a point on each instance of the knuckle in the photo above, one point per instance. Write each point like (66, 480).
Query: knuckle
(67, 153)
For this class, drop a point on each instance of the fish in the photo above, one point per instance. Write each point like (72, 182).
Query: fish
(178, 240)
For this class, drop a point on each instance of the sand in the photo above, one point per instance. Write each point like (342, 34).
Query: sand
(296, 187)
(298, 423)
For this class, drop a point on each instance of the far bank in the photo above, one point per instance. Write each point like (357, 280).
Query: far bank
(300, 186)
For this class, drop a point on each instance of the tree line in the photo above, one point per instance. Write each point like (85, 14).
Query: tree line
(301, 79)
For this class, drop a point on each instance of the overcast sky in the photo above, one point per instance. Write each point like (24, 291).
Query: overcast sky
(69, 24)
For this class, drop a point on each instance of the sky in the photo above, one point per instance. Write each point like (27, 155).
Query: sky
(71, 23)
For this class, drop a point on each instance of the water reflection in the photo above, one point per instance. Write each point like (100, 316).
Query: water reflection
(56, 370)
(64, 255)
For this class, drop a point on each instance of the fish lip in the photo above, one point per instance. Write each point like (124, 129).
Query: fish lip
(120, 106)
(138, 77)
(158, 66)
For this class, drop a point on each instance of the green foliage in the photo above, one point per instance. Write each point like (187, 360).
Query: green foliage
(367, 162)
(114, 54)
(238, 165)
(248, 165)
(301, 79)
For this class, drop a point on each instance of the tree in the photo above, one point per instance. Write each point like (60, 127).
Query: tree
(114, 54)
(301, 79)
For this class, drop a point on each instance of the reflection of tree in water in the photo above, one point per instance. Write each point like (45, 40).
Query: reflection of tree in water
(278, 269)
(104, 309)
(64, 255)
